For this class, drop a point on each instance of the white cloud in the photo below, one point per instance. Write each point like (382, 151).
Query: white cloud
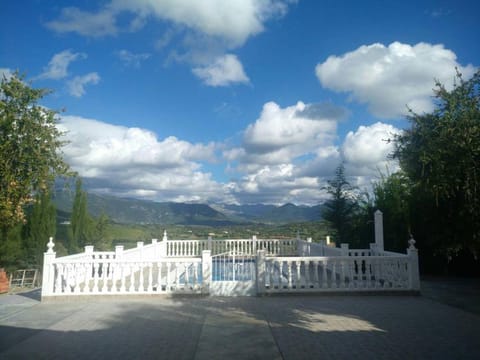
(76, 86)
(233, 20)
(224, 71)
(131, 59)
(366, 150)
(85, 23)
(280, 135)
(391, 78)
(134, 162)
(284, 154)
(57, 67)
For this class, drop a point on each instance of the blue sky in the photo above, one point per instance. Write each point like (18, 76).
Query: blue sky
(237, 101)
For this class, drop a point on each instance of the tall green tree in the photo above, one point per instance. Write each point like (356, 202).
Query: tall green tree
(393, 196)
(30, 157)
(41, 224)
(81, 221)
(341, 206)
(440, 154)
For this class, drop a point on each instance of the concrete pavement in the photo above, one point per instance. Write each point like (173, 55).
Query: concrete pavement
(280, 327)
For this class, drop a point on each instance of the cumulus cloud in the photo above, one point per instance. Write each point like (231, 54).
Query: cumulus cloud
(280, 135)
(391, 78)
(131, 59)
(206, 30)
(57, 67)
(134, 162)
(366, 151)
(234, 20)
(275, 149)
(225, 70)
(76, 86)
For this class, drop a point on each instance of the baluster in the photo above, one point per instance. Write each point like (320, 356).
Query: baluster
(298, 265)
(141, 278)
(289, 265)
(187, 277)
(306, 267)
(77, 272)
(324, 274)
(122, 277)
(342, 274)
(95, 277)
(315, 274)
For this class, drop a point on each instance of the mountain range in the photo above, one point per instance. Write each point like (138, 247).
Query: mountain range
(135, 211)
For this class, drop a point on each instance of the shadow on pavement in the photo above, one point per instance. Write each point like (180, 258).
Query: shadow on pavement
(301, 327)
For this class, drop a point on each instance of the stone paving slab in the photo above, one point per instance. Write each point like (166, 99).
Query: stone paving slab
(275, 327)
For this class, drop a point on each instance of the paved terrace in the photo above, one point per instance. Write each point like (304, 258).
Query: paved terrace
(277, 327)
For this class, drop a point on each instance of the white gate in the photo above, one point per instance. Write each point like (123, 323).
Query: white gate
(233, 274)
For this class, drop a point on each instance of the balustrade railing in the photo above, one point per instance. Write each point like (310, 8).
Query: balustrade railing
(185, 266)
(118, 276)
(347, 273)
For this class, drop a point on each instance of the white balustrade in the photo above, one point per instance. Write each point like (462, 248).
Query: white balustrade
(185, 266)
(339, 273)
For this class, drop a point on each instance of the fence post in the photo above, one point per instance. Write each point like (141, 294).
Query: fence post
(209, 244)
(260, 272)
(254, 242)
(344, 248)
(155, 249)
(119, 252)
(414, 271)
(379, 230)
(206, 271)
(48, 275)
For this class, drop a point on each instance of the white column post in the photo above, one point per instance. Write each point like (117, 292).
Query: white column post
(414, 271)
(344, 248)
(119, 252)
(209, 244)
(155, 249)
(206, 271)
(327, 240)
(163, 246)
(48, 275)
(89, 251)
(140, 248)
(379, 230)
(260, 272)
(254, 241)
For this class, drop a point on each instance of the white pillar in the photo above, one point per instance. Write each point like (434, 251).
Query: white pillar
(344, 248)
(260, 272)
(327, 240)
(119, 252)
(140, 248)
(48, 275)
(254, 241)
(414, 271)
(206, 271)
(379, 230)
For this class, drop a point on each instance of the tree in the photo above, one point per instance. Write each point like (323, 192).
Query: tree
(393, 197)
(30, 148)
(339, 209)
(41, 224)
(440, 154)
(81, 221)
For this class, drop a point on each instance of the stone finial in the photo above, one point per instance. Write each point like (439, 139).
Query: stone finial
(50, 246)
(165, 237)
(411, 242)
